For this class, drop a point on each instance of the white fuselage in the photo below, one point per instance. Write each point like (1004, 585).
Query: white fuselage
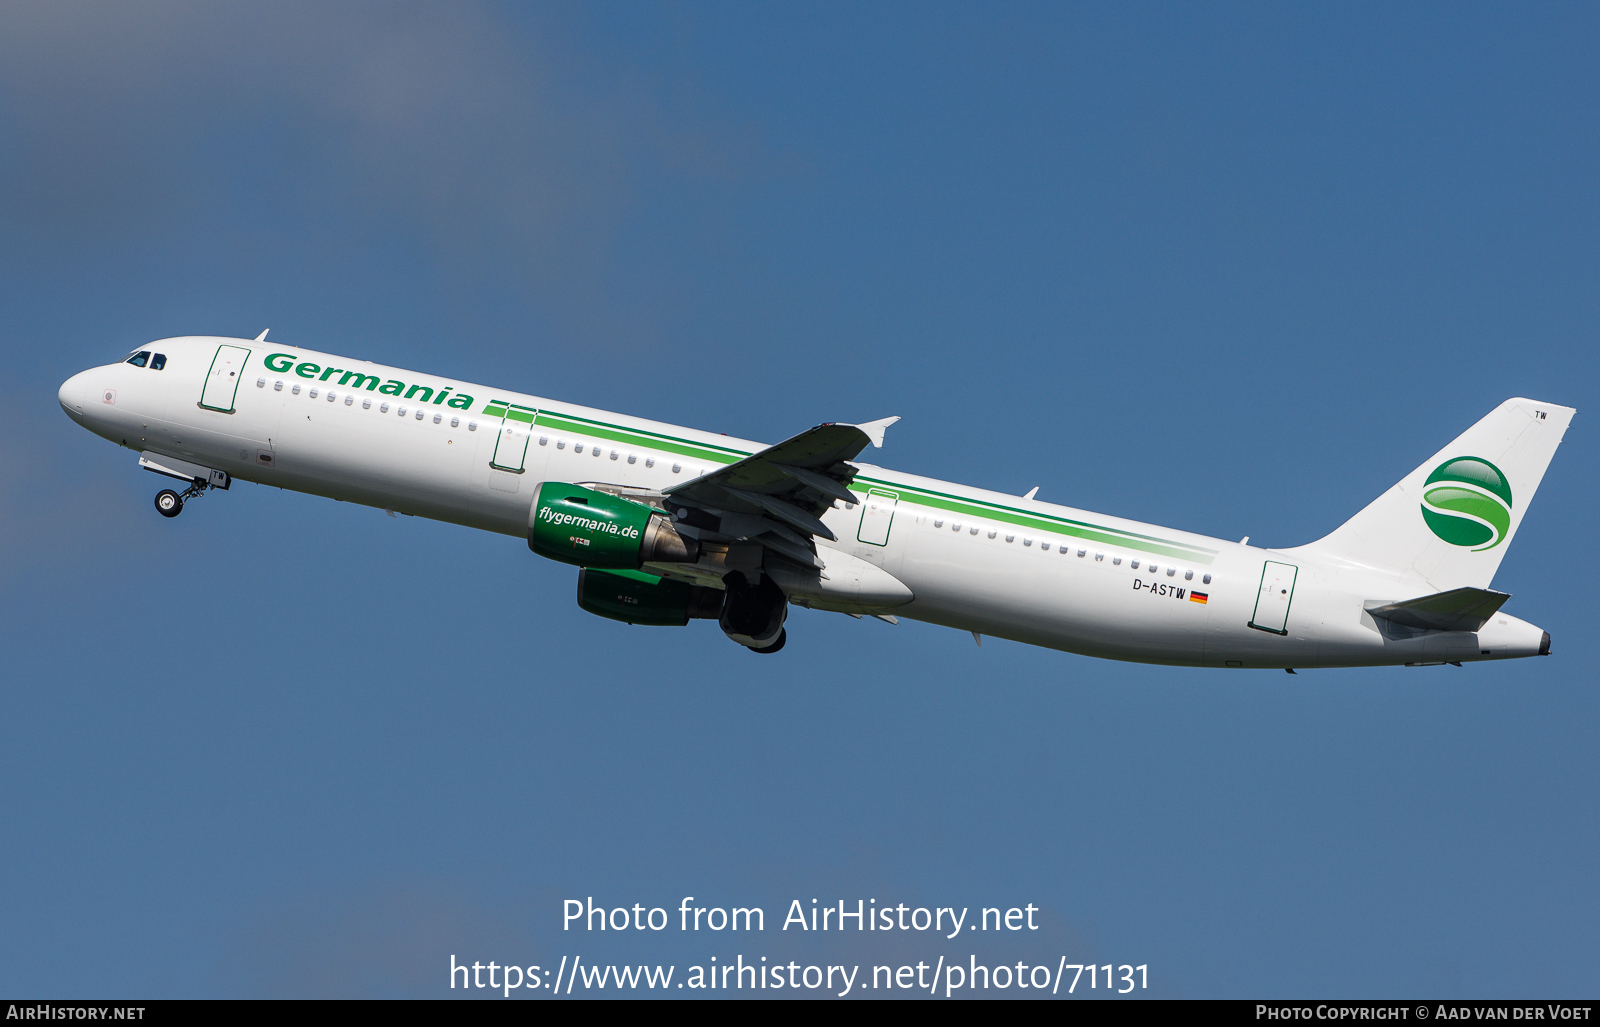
(975, 560)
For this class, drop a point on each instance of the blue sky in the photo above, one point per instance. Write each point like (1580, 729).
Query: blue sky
(1234, 269)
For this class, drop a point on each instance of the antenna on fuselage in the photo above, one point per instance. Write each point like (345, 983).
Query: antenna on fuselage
(263, 336)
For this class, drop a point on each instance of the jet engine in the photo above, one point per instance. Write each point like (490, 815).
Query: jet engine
(576, 525)
(639, 598)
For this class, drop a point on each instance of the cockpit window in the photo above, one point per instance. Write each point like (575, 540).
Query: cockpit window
(139, 358)
(158, 361)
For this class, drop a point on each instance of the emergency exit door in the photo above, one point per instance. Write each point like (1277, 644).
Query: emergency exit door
(511, 446)
(877, 515)
(222, 380)
(1272, 601)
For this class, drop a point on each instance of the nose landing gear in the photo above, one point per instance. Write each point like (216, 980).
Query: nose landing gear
(170, 503)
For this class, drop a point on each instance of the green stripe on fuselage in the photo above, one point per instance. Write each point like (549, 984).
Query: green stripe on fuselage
(908, 494)
(1046, 522)
(653, 440)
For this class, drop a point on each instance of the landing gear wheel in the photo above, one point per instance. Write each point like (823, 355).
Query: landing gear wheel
(783, 636)
(169, 503)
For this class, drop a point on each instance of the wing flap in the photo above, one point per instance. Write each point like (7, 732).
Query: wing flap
(787, 512)
(821, 482)
(798, 553)
(793, 483)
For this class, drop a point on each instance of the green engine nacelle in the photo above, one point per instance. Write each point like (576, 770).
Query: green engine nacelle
(640, 598)
(594, 529)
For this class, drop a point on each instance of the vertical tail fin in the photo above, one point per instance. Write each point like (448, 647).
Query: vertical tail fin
(1450, 521)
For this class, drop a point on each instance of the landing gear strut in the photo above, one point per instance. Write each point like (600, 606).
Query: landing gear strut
(170, 503)
(753, 615)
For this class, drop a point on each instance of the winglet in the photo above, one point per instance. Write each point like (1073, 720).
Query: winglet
(263, 336)
(875, 429)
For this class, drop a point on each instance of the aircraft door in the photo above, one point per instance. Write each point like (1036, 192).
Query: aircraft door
(222, 380)
(1272, 602)
(877, 514)
(511, 446)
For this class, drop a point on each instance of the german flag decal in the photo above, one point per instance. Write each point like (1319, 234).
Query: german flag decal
(1198, 597)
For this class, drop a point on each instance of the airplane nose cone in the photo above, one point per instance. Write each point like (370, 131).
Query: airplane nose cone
(72, 393)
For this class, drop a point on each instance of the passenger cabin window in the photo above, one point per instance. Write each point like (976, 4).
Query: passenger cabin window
(158, 362)
(1188, 575)
(1116, 561)
(1206, 579)
(140, 358)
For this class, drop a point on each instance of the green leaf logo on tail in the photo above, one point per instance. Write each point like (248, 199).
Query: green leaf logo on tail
(1467, 502)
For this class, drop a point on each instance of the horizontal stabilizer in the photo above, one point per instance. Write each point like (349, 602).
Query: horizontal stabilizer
(1460, 609)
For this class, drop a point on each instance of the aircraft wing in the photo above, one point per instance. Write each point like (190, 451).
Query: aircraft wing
(777, 497)
(1460, 609)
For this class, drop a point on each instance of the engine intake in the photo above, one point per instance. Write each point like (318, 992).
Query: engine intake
(580, 526)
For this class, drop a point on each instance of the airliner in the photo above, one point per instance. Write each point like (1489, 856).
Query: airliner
(667, 524)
